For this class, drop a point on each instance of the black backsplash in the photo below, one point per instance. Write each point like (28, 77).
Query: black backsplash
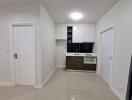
(80, 47)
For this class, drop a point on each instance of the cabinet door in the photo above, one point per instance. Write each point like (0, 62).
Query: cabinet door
(83, 33)
(74, 63)
(76, 36)
(86, 33)
(90, 67)
(61, 31)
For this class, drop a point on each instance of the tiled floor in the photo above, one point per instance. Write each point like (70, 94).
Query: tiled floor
(63, 86)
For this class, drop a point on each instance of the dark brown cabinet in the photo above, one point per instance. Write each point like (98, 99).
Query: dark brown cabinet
(77, 63)
(74, 63)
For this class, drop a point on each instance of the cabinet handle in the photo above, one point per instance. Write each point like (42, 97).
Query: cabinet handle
(15, 56)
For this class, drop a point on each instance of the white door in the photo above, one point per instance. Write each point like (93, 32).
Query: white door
(24, 54)
(107, 39)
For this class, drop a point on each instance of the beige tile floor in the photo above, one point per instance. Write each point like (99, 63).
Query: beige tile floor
(63, 86)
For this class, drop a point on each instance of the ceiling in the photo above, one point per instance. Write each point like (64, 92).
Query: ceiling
(61, 9)
(10, 2)
(91, 9)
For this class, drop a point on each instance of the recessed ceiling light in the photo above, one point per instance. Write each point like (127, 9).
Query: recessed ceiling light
(76, 16)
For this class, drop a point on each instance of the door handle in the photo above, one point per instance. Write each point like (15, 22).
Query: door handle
(15, 56)
(110, 57)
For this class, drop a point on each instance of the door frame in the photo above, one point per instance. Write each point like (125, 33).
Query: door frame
(102, 32)
(12, 60)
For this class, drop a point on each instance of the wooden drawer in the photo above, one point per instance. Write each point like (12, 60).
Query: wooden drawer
(78, 60)
(91, 67)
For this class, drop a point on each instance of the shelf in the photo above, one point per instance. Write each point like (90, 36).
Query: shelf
(89, 60)
(69, 33)
(61, 39)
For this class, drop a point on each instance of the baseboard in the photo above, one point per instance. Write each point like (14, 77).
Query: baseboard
(5, 84)
(38, 86)
(113, 89)
(60, 66)
(46, 80)
(117, 94)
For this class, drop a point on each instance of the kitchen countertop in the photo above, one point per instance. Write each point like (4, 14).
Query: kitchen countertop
(82, 54)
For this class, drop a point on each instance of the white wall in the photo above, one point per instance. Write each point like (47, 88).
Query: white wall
(120, 16)
(61, 33)
(9, 14)
(61, 50)
(45, 39)
(48, 43)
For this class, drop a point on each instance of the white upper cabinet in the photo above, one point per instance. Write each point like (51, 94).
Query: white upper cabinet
(61, 31)
(81, 32)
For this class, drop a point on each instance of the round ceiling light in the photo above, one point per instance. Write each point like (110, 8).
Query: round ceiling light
(76, 16)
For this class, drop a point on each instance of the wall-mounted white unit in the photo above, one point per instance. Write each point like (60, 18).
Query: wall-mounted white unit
(61, 32)
(81, 32)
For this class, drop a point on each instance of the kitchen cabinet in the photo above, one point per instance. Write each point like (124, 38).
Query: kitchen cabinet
(61, 32)
(74, 63)
(83, 33)
(78, 62)
(80, 33)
